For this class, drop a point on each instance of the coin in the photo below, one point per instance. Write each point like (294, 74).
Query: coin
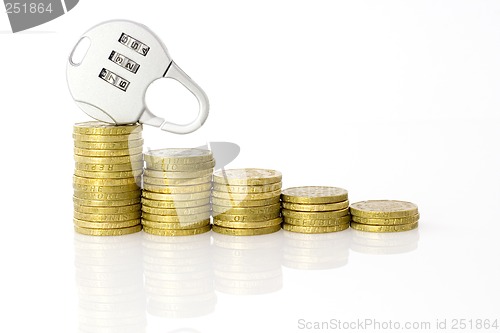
(383, 209)
(106, 189)
(175, 225)
(107, 153)
(106, 203)
(108, 160)
(315, 207)
(178, 189)
(109, 145)
(247, 176)
(106, 225)
(108, 210)
(247, 189)
(247, 217)
(315, 215)
(174, 204)
(176, 211)
(314, 194)
(175, 197)
(105, 182)
(176, 218)
(107, 196)
(108, 175)
(108, 232)
(315, 230)
(178, 156)
(246, 210)
(90, 217)
(101, 128)
(248, 225)
(135, 166)
(244, 203)
(384, 228)
(107, 138)
(318, 222)
(177, 232)
(246, 232)
(246, 196)
(181, 167)
(177, 181)
(386, 221)
(177, 174)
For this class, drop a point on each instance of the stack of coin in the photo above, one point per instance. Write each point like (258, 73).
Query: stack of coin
(384, 216)
(315, 209)
(245, 202)
(107, 192)
(176, 195)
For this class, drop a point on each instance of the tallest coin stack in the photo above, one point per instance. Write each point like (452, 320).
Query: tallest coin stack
(108, 169)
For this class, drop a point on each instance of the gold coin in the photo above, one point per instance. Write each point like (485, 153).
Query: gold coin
(175, 225)
(175, 197)
(108, 175)
(314, 194)
(106, 225)
(106, 189)
(247, 189)
(134, 166)
(386, 221)
(107, 153)
(176, 218)
(315, 207)
(244, 203)
(108, 210)
(178, 189)
(107, 196)
(246, 232)
(107, 138)
(247, 196)
(181, 167)
(90, 217)
(318, 222)
(101, 128)
(383, 209)
(108, 160)
(315, 215)
(105, 182)
(246, 218)
(247, 176)
(246, 210)
(248, 225)
(108, 232)
(106, 203)
(175, 204)
(315, 230)
(178, 156)
(109, 145)
(177, 232)
(176, 211)
(177, 174)
(177, 181)
(384, 228)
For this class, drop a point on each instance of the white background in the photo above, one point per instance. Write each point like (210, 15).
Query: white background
(388, 99)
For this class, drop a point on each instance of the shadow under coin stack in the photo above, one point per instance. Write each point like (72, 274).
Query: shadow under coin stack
(315, 209)
(384, 216)
(245, 202)
(176, 195)
(108, 166)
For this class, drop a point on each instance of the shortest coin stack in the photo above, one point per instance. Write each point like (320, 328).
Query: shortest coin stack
(315, 209)
(176, 195)
(384, 216)
(245, 202)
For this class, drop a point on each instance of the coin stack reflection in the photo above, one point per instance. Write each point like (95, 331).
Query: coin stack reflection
(108, 166)
(384, 216)
(178, 276)
(248, 265)
(245, 202)
(316, 251)
(109, 278)
(315, 209)
(384, 243)
(176, 195)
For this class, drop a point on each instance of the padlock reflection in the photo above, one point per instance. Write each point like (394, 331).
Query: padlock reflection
(385, 243)
(178, 276)
(248, 265)
(109, 279)
(316, 251)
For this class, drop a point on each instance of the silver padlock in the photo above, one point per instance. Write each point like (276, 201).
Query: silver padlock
(111, 68)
